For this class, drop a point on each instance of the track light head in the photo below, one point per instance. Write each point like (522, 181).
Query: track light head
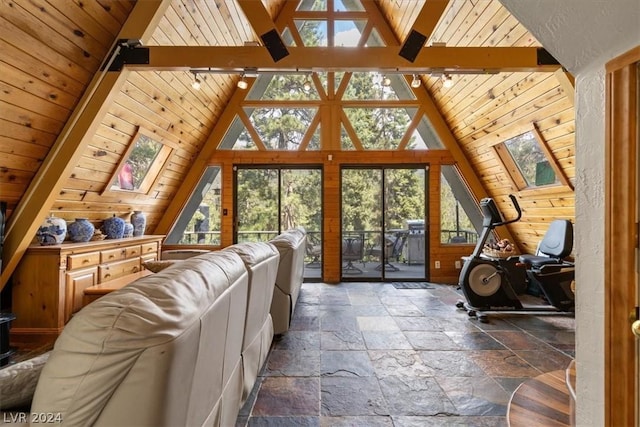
(447, 81)
(196, 83)
(416, 82)
(242, 84)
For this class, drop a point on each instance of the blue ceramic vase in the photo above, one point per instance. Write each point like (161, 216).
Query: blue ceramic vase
(113, 227)
(128, 229)
(139, 221)
(52, 231)
(81, 230)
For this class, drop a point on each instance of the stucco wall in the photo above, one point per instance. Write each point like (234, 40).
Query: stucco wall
(583, 35)
(590, 179)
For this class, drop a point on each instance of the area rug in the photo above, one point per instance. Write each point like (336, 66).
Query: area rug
(412, 285)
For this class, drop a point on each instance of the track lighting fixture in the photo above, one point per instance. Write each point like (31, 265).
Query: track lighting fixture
(242, 83)
(306, 85)
(196, 82)
(415, 83)
(447, 81)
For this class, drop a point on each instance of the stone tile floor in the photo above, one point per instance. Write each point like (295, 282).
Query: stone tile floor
(368, 354)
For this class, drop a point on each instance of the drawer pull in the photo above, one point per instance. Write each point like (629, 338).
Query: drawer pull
(85, 261)
(107, 275)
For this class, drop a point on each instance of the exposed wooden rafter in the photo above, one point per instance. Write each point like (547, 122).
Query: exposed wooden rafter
(430, 59)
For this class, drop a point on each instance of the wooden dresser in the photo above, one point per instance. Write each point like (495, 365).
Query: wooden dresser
(49, 283)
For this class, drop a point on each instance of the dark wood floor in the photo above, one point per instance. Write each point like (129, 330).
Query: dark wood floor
(541, 401)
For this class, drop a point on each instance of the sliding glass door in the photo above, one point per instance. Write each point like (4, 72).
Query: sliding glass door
(384, 233)
(270, 200)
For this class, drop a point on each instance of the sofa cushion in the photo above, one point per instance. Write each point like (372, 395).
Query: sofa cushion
(18, 382)
(292, 247)
(157, 266)
(182, 253)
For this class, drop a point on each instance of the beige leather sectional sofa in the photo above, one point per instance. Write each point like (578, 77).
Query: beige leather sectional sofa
(292, 246)
(182, 347)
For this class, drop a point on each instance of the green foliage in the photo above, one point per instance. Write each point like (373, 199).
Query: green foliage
(141, 158)
(526, 152)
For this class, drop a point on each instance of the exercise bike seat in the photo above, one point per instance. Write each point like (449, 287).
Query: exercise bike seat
(556, 245)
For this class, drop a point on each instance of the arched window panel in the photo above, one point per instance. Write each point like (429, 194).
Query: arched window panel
(423, 137)
(289, 87)
(281, 128)
(313, 5)
(314, 143)
(372, 86)
(374, 39)
(287, 37)
(347, 33)
(379, 128)
(237, 137)
(200, 220)
(346, 144)
(313, 32)
(460, 219)
(348, 6)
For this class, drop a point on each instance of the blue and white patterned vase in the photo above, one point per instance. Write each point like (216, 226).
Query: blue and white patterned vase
(128, 229)
(81, 230)
(113, 227)
(52, 231)
(139, 221)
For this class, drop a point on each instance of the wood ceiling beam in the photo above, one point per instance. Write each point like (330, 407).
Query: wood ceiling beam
(73, 139)
(235, 59)
(429, 16)
(257, 15)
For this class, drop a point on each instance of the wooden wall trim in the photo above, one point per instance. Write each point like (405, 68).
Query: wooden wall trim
(621, 199)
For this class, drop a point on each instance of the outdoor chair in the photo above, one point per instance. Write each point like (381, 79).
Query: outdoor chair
(352, 250)
(313, 251)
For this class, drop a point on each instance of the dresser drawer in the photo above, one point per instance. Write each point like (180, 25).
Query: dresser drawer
(113, 255)
(132, 251)
(83, 260)
(149, 257)
(149, 248)
(118, 269)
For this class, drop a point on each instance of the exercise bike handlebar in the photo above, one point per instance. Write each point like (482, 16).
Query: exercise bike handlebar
(514, 201)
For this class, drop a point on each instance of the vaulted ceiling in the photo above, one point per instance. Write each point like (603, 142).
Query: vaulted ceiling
(65, 124)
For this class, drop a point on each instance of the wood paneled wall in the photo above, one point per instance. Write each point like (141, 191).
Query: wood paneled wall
(50, 51)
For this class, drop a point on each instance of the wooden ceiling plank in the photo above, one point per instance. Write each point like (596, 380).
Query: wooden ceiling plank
(235, 59)
(567, 83)
(67, 150)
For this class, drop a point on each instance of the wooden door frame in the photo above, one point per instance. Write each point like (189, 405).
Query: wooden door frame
(621, 233)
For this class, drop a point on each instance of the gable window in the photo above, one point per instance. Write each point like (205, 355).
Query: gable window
(141, 164)
(529, 162)
(200, 220)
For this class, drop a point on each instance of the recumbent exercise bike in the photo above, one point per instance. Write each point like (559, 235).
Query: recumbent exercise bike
(493, 284)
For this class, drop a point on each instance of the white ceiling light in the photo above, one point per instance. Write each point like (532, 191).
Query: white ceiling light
(196, 82)
(447, 81)
(242, 83)
(415, 83)
(306, 85)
